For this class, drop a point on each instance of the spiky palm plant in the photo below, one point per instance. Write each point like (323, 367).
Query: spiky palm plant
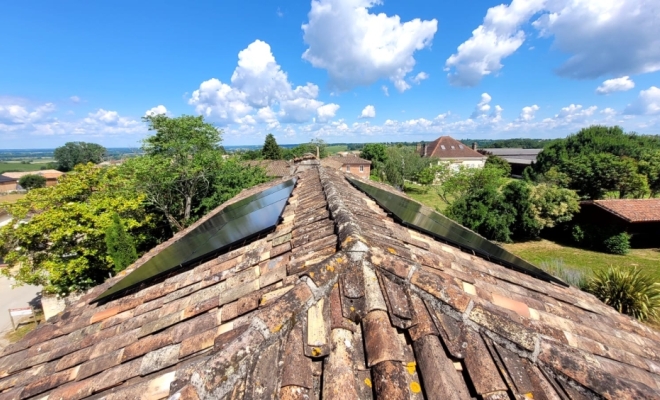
(628, 290)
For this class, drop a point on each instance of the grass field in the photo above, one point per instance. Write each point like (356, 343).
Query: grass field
(334, 149)
(18, 167)
(427, 197)
(538, 252)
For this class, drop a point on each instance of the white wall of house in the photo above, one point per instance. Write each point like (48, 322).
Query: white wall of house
(455, 164)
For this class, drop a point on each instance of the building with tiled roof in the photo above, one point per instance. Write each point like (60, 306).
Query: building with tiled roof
(274, 168)
(638, 217)
(51, 175)
(449, 150)
(338, 301)
(7, 184)
(349, 163)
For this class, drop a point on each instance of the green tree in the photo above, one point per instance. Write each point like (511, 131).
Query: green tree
(120, 244)
(484, 211)
(403, 163)
(524, 226)
(271, 151)
(180, 163)
(459, 183)
(552, 205)
(32, 181)
(374, 152)
(74, 153)
(649, 165)
(499, 162)
(57, 235)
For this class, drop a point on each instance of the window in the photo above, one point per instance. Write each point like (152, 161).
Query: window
(452, 147)
(460, 146)
(442, 146)
(361, 168)
(348, 168)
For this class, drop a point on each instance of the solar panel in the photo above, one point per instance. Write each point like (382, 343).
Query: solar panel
(236, 222)
(437, 225)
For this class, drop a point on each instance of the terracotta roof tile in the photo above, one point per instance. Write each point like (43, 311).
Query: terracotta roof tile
(338, 301)
(448, 147)
(632, 210)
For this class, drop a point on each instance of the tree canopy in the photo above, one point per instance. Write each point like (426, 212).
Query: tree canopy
(271, 151)
(499, 162)
(74, 153)
(32, 181)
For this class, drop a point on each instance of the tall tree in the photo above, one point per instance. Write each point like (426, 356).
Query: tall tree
(517, 195)
(179, 165)
(499, 162)
(120, 244)
(60, 242)
(74, 153)
(374, 152)
(271, 150)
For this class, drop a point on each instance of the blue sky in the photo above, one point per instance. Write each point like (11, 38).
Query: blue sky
(339, 70)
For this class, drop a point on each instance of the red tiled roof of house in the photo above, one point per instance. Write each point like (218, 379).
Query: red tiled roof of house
(46, 173)
(339, 301)
(276, 168)
(632, 210)
(339, 161)
(448, 147)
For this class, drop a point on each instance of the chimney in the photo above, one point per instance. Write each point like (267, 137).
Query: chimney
(317, 153)
(474, 146)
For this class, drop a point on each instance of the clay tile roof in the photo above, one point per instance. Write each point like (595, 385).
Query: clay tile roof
(448, 147)
(276, 168)
(632, 210)
(46, 173)
(339, 301)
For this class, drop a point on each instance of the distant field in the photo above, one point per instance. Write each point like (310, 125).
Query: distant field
(11, 198)
(18, 167)
(333, 149)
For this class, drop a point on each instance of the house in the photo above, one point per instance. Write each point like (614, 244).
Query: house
(7, 184)
(337, 301)
(349, 163)
(274, 168)
(638, 217)
(519, 159)
(449, 150)
(51, 175)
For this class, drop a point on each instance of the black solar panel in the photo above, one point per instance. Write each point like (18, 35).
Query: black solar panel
(238, 221)
(437, 225)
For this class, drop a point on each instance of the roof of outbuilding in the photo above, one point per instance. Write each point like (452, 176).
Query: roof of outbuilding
(448, 147)
(339, 301)
(632, 210)
(46, 173)
(4, 179)
(276, 168)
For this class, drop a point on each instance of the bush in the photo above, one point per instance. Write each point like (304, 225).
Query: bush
(629, 291)
(31, 181)
(499, 162)
(617, 244)
(120, 244)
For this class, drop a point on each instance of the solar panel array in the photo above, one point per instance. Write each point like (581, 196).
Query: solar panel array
(437, 225)
(238, 221)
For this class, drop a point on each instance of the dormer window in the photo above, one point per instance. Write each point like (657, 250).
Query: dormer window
(452, 147)
(442, 146)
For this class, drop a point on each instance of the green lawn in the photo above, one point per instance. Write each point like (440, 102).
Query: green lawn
(18, 167)
(427, 197)
(336, 148)
(538, 252)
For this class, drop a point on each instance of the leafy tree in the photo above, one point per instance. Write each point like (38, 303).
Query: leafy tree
(250, 155)
(271, 151)
(629, 290)
(649, 165)
(120, 244)
(499, 162)
(403, 163)
(74, 153)
(484, 211)
(458, 184)
(374, 152)
(180, 162)
(552, 205)
(524, 226)
(32, 181)
(57, 235)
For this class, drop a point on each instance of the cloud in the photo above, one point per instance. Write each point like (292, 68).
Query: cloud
(368, 112)
(17, 114)
(600, 37)
(158, 110)
(385, 90)
(75, 99)
(482, 107)
(417, 79)
(647, 103)
(358, 48)
(615, 85)
(257, 83)
(528, 113)
(327, 112)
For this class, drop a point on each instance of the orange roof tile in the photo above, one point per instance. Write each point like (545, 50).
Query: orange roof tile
(632, 210)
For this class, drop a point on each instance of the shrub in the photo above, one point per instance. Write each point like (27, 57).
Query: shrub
(32, 181)
(499, 162)
(569, 275)
(629, 291)
(617, 244)
(121, 247)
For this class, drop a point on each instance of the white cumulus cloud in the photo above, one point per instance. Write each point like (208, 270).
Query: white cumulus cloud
(528, 113)
(417, 79)
(358, 48)
(615, 85)
(368, 112)
(259, 91)
(647, 103)
(482, 107)
(158, 110)
(600, 37)
(327, 111)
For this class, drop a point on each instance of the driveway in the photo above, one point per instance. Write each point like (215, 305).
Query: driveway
(18, 297)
